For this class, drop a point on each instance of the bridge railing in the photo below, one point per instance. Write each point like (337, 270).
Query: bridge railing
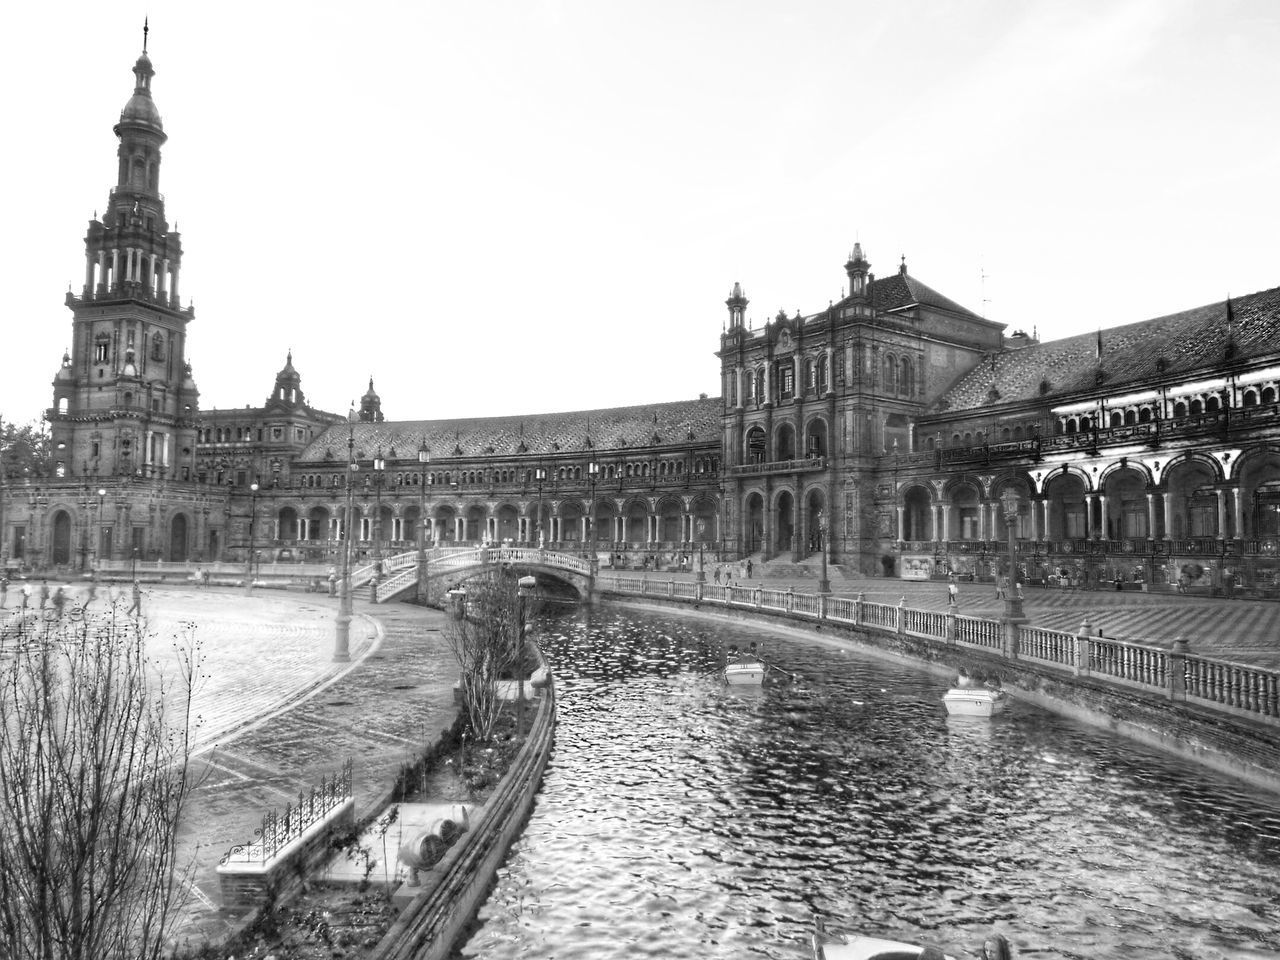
(1252, 692)
(395, 584)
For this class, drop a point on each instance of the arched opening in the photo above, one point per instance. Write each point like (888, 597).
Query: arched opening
(815, 441)
(508, 523)
(786, 442)
(815, 504)
(1126, 515)
(756, 445)
(571, 514)
(605, 522)
(704, 520)
(917, 514)
(61, 538)
(287, 524)
(410, 521)
(1067, 517)
(474, 531)
(1193, 495)
(784, 522)
(445, 518)
(178, 538)
(318, 524)
(1260, 496)
(753, 523)
(669, 524)
(637, 522)
(965, 509)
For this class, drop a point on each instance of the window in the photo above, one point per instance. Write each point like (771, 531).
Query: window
(157, 347)
(102, 351)
(299, 433)
(93, 449)
(277, 433)
(787, 382)
(840, 368)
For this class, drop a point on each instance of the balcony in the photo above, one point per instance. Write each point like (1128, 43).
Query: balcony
(807, 465)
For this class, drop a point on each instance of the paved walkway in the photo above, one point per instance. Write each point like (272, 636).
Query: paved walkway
(1244, 631)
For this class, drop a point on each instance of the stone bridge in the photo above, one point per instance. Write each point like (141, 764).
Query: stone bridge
(400, 572)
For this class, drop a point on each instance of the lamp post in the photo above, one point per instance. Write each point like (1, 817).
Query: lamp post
(1013, 597)
(97, 547)
(133, 563)
(424, 461)
(248, 563)
(824, 585)
(539, 475)
(593, 474)
(524, 590)
(378, 466)
(342, 631)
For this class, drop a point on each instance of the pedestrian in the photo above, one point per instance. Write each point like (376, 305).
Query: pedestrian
(4, 592)
(748, 568)
(92, 595)
(136, 608)
(59, 603)
(26, 596)
(44, 593)
(716, 574)
(953, 592)
(1000, 588)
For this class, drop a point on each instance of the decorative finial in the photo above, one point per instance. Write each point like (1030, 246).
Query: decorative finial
(146, 28)
(288, 357)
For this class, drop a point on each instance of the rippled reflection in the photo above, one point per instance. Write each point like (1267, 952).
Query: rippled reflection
(681, 818)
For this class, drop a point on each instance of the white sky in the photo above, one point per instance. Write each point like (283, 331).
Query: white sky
(525, 207)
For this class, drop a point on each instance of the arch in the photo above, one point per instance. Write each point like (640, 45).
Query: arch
(508, 523)
(670, 511)
(605, 521)
(1258, 474)
(1268, 394)
(1124, 506)
(61, 552)
(753, 523)
(287, 524)
(1191, 484)
(905, 378)
(966, 510)
(637, 521)
(318, 523)
(890, 367)
(474, 526)
(784, 521)
(756, 449)
(785, 442)
(815, 438)
(704, 520)
(1250, 399)
(179, 538)
(571, 514)
(444, 517)
(815, 504)
(917, 513)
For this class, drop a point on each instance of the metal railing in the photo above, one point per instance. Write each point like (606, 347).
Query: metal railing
(278, 830)
(1252, 692)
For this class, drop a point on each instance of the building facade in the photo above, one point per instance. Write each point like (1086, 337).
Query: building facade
(896, 432)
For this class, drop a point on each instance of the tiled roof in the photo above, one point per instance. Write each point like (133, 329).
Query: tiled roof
(546, 434)
(900, 290)
(1177, 344)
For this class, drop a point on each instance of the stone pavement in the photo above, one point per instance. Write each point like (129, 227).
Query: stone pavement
(1243, 631)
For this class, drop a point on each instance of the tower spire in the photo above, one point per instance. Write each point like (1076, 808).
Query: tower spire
(146, 28)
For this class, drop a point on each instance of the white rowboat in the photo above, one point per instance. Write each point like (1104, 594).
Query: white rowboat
(974, 701)
(744, 674)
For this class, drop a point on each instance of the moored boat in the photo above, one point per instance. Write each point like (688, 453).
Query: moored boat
(836, 946)
(974, 701)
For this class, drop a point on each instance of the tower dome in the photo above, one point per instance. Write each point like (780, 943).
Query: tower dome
(141, 110)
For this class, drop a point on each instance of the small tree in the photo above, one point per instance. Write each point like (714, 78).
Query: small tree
(94, 752)
(484, 641)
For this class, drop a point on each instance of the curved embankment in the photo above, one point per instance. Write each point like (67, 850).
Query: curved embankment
(454, 888)
(1227, 744)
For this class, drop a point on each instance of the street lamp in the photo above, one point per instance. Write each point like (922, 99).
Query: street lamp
(342, 623)
(524, 590)
(133, 563)
(824, 585)
(1013, 597)
(540, 475)
(248, 563)
(378, 466)
(593, 474)
(424, 462)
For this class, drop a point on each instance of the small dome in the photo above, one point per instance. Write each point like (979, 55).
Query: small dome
(288, 372)
(141, 109)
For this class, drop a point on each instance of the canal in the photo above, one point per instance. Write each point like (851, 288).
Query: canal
(680, 818)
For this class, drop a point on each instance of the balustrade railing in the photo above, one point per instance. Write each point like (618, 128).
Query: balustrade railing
(1128, 663)
(1048, 646)
(1249, 689)
(977, 632)
(280, 829)
(931, 624)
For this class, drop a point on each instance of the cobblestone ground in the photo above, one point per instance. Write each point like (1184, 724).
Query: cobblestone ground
(1243, 631)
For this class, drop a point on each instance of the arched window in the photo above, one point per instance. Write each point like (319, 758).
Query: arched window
(905, 385)
(890, 374)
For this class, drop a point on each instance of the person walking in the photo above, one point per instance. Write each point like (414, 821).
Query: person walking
(748, 568)
(26, 597)
(136, 607)
(44, 593)
(59, 603)
(92, 594)
(4, 592)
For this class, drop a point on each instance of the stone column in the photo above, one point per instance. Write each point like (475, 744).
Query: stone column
(1168, 514)
(102, 269)
(982, 520)
(115, 267)
(945, 509)
(1091, 528)
(152, 284)
(933, 516)
(1103, 532)
(163, 286)
(902, 511)
(1237, 517)
(1151, 515)
(1222, 513)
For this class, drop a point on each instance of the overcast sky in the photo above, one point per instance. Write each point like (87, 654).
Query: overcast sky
(499, 208)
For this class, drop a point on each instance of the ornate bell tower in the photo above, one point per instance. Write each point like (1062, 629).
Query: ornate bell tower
(124, 401)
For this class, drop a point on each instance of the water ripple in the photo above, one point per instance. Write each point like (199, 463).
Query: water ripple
(680, 818)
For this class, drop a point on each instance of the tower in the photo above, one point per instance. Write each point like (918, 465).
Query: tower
(124, 399)
(371, 406)
(857, 268)
(737, 304)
